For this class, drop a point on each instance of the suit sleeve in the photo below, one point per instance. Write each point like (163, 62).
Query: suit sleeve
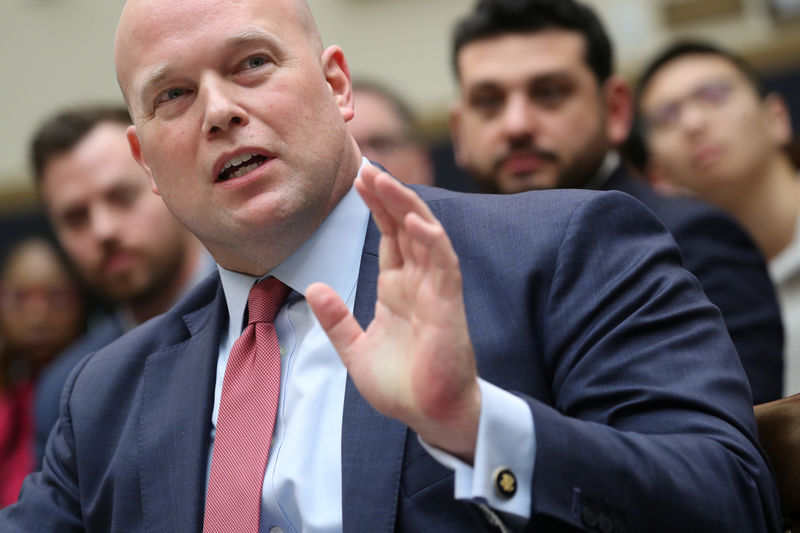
(734, 277)
(650, 427)
(49, 500)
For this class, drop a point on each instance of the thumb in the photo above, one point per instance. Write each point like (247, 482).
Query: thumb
(335, 318)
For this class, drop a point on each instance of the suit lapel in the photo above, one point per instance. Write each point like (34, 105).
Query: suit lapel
(372, 444)
(175, 422)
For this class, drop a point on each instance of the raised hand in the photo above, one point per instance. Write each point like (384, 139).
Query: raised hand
(415, 361)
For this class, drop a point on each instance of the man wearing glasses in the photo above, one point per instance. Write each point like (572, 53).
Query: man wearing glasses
(540, 108)
(711, 129)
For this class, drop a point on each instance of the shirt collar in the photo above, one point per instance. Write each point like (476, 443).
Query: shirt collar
(609, 165)
(784, 265)
(331, 255)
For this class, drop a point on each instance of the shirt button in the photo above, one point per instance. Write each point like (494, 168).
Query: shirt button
(283, 352)
(275, 529)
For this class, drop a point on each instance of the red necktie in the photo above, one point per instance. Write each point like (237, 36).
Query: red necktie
(246, 418)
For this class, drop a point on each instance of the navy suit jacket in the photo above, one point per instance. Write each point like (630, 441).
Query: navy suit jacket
(576, 301)
(733, 274)
(50, 383)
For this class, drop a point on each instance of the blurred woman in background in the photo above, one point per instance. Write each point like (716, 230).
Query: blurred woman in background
(42, 309)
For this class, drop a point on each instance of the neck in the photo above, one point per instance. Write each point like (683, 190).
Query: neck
(769, 208)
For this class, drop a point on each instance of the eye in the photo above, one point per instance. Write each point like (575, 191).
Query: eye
(124, 196)
(714, 92)
(75, 218)
(487, 102)
(171, 94)
(664, 116)
(550, 94)
(255, 62)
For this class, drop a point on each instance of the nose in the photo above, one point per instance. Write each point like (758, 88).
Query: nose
(104, 223)
(693, 117)
(222, 111)
(518, 118)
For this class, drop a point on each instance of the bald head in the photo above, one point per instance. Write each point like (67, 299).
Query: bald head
(239, 120)
(144, 21)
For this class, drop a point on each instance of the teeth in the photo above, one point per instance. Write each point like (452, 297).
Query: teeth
(238, 160)
(244, 170)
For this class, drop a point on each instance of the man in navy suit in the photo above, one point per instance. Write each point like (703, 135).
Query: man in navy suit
(540, 107)
(529, 362)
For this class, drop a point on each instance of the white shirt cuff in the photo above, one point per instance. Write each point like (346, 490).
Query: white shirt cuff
(506, 440)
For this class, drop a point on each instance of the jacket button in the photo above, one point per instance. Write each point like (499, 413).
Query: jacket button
(505, 482)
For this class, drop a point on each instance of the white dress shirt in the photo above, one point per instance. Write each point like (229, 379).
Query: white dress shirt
(784, 269)
(302, 489)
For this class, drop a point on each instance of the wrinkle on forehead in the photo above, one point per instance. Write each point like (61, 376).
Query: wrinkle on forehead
(139, 16)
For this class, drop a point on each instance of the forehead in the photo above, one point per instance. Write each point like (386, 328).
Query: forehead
(153, 35)
(684, 74)
(523, 55)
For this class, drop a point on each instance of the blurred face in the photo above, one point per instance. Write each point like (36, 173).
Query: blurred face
(41, 310)
(384, 137)
(118, 233)
(531, 114)
(706, 127)
(239, 120)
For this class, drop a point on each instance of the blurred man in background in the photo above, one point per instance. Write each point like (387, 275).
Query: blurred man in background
(385, 130)
(711, 130)
(121, 237)
(540, 107)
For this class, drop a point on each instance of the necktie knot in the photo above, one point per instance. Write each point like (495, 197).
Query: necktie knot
(265, 299)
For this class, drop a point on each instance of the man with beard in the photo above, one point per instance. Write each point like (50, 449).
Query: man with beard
(120, 236)
(541, 108)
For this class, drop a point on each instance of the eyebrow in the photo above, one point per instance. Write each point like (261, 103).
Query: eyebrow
(152, 79)
(542, 77)
(239, 40)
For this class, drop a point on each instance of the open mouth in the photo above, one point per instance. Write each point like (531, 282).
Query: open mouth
(241, 165)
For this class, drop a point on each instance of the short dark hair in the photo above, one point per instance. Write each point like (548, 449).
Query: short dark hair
(492, 18)
(695, 47)
(398, 104)
(62, 132)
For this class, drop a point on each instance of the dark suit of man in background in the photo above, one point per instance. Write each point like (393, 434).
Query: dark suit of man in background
(540, 107)
(609, 393)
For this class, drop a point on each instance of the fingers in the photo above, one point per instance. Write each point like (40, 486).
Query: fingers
(391, 198)
(410, 230)
(335, 318)
(433, 251)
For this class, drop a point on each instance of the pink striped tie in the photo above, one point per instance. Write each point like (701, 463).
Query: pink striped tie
(247, 408)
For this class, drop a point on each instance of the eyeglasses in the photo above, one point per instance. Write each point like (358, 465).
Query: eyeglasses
(709, 96)
(15, 298)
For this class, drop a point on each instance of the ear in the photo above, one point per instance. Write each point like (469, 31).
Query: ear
(456, 116)
(619, 109)
(337, 74)
(136, 151)
(779, 123)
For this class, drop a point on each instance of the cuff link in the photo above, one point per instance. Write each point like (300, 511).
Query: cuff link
(505, 482)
